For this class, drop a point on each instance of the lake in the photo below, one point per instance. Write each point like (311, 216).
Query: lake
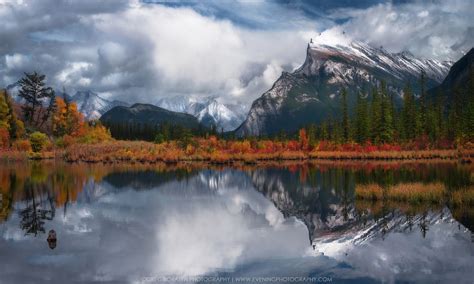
(288, 222)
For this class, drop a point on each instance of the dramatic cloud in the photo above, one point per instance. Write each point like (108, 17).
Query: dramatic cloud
(137, 51)
(442, 30)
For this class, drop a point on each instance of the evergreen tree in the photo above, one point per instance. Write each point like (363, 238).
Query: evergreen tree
(422, 101)
(33, 91)
(361, 132)
(345, 117)
(375, 116)
(324, 131)
(386, 122)
(408, 115)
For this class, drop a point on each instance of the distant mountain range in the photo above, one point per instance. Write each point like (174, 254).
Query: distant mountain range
(311, 93)
(94, 106)
(209, 111)
(90, 104)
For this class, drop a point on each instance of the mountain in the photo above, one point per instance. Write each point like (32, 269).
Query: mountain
(310, 94)
(92, 105)
(207, 110)
(458, 76)
(149, 115)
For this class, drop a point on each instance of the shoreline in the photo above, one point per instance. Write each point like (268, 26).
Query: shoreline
(123, 155)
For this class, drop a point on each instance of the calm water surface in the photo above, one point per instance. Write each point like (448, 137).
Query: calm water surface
(148, 224)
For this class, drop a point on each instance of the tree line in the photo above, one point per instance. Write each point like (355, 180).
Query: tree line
(437, 119)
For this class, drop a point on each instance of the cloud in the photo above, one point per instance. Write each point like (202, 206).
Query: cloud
(440, 29)
(16, 61)
(141, 52)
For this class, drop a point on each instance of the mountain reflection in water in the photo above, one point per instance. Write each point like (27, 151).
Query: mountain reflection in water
(126, 222)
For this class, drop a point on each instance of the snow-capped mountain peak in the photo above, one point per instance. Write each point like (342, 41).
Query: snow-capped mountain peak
(334, 62)
(92, 105)
(209, 111)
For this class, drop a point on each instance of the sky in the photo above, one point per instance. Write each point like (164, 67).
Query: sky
(141, 51)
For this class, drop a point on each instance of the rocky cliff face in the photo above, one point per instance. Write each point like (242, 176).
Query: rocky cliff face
(310, 94)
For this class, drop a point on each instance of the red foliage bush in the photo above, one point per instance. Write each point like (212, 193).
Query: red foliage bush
(4, 138)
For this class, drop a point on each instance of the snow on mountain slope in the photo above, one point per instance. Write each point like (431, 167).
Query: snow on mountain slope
(92, 105)
(207, 110)
(310, 94)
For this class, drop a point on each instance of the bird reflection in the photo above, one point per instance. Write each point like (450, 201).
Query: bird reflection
(52, 239)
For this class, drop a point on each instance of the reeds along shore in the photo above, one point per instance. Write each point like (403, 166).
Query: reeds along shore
(147, 152)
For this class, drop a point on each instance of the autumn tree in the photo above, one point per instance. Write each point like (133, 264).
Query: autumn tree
(4, 111)
(66, 118)
(303, 139)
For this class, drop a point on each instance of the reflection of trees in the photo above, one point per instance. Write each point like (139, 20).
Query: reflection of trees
(35, 213)
(423, 224)
(6, 196)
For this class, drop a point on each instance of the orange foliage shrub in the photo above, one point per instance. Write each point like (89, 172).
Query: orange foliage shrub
(303, 139)
(4, 138)
(22, 145)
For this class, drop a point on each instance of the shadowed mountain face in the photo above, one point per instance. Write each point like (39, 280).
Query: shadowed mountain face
(458, 77)
(311, 93)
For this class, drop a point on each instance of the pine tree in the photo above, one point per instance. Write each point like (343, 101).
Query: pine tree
(375, 115)
(345, 117)
(50, 110)
(455, 115)
(324, 132)
(361, 131)
(33, 91)
(386, 122)
(423, 106)
(408, 115)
